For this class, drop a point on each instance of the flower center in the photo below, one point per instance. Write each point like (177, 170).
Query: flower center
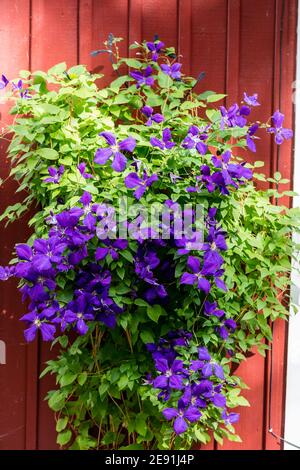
(169, 373)
(115, 148)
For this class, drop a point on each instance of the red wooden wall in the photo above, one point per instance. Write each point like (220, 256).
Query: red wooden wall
(242, 46)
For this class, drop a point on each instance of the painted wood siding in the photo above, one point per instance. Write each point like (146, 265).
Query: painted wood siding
(241, 46)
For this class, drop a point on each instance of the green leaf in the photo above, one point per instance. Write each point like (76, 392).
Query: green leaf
(58, 69)
(64, 437)
(47, 153)
(141, 303)
(61, 424)
(212, 114)
(127, 255)
(56, 401)
(154, 312)
(81, 379)
(116, 84)
(136, 64)
(140, 424)
(147, 336)
(215, 97)
(164, 80)
(67, 379)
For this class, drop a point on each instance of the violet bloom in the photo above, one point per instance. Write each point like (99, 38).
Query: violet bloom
(143, 77)
(211, 308)
(114, 150)
(172, 70)
(234, 116)
(198, 276)
(227, 327)
(195, 139)
(78, 312)
(148, 112)
(155, 48)
(207, 179)
(47, 252)
(230, 418)
(215, 240)
(250, 137)
(3, 82)
(280, 132)
(182, 415)
(251, 100)
(55, 174)
(47, 330)
(111, 249)
(107, 310)
(81, 167)
(6, 272)
(19, 87)
(172, 375)
(141, 184)
(228, 172)
(165, 143)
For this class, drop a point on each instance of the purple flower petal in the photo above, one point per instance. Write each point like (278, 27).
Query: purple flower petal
(180, 425)
(128, 144)
(102, 155)
(109, 137)
(170, 413)
(119, 162)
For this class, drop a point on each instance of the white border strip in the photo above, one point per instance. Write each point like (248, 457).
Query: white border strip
(292, 406)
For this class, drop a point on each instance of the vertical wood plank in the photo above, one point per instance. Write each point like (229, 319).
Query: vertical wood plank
(285, 72)
(184, 41)
(17, 412)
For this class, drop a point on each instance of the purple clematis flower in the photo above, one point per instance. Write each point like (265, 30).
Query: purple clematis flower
(6, 272)
(3, 82)
(280, 132)
(165, 143)
(155, 48)
(230, 418)
(143, 77)
(47, 330)
(251, 100)
(78, 312)
(115, 149)
(195, 139)
(19, 87)
(55, 174)
(250, 137)
(227, 327)
(172, 375)
(182, 415)
(141, 184)
(211, 308)
(216, 240)
(148, 112)
(81, 167)
(172, 70)
(111, 249)
(234, 116)
(211, 265)
(197, 275)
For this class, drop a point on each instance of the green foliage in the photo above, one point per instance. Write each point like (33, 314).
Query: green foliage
(100, 401)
